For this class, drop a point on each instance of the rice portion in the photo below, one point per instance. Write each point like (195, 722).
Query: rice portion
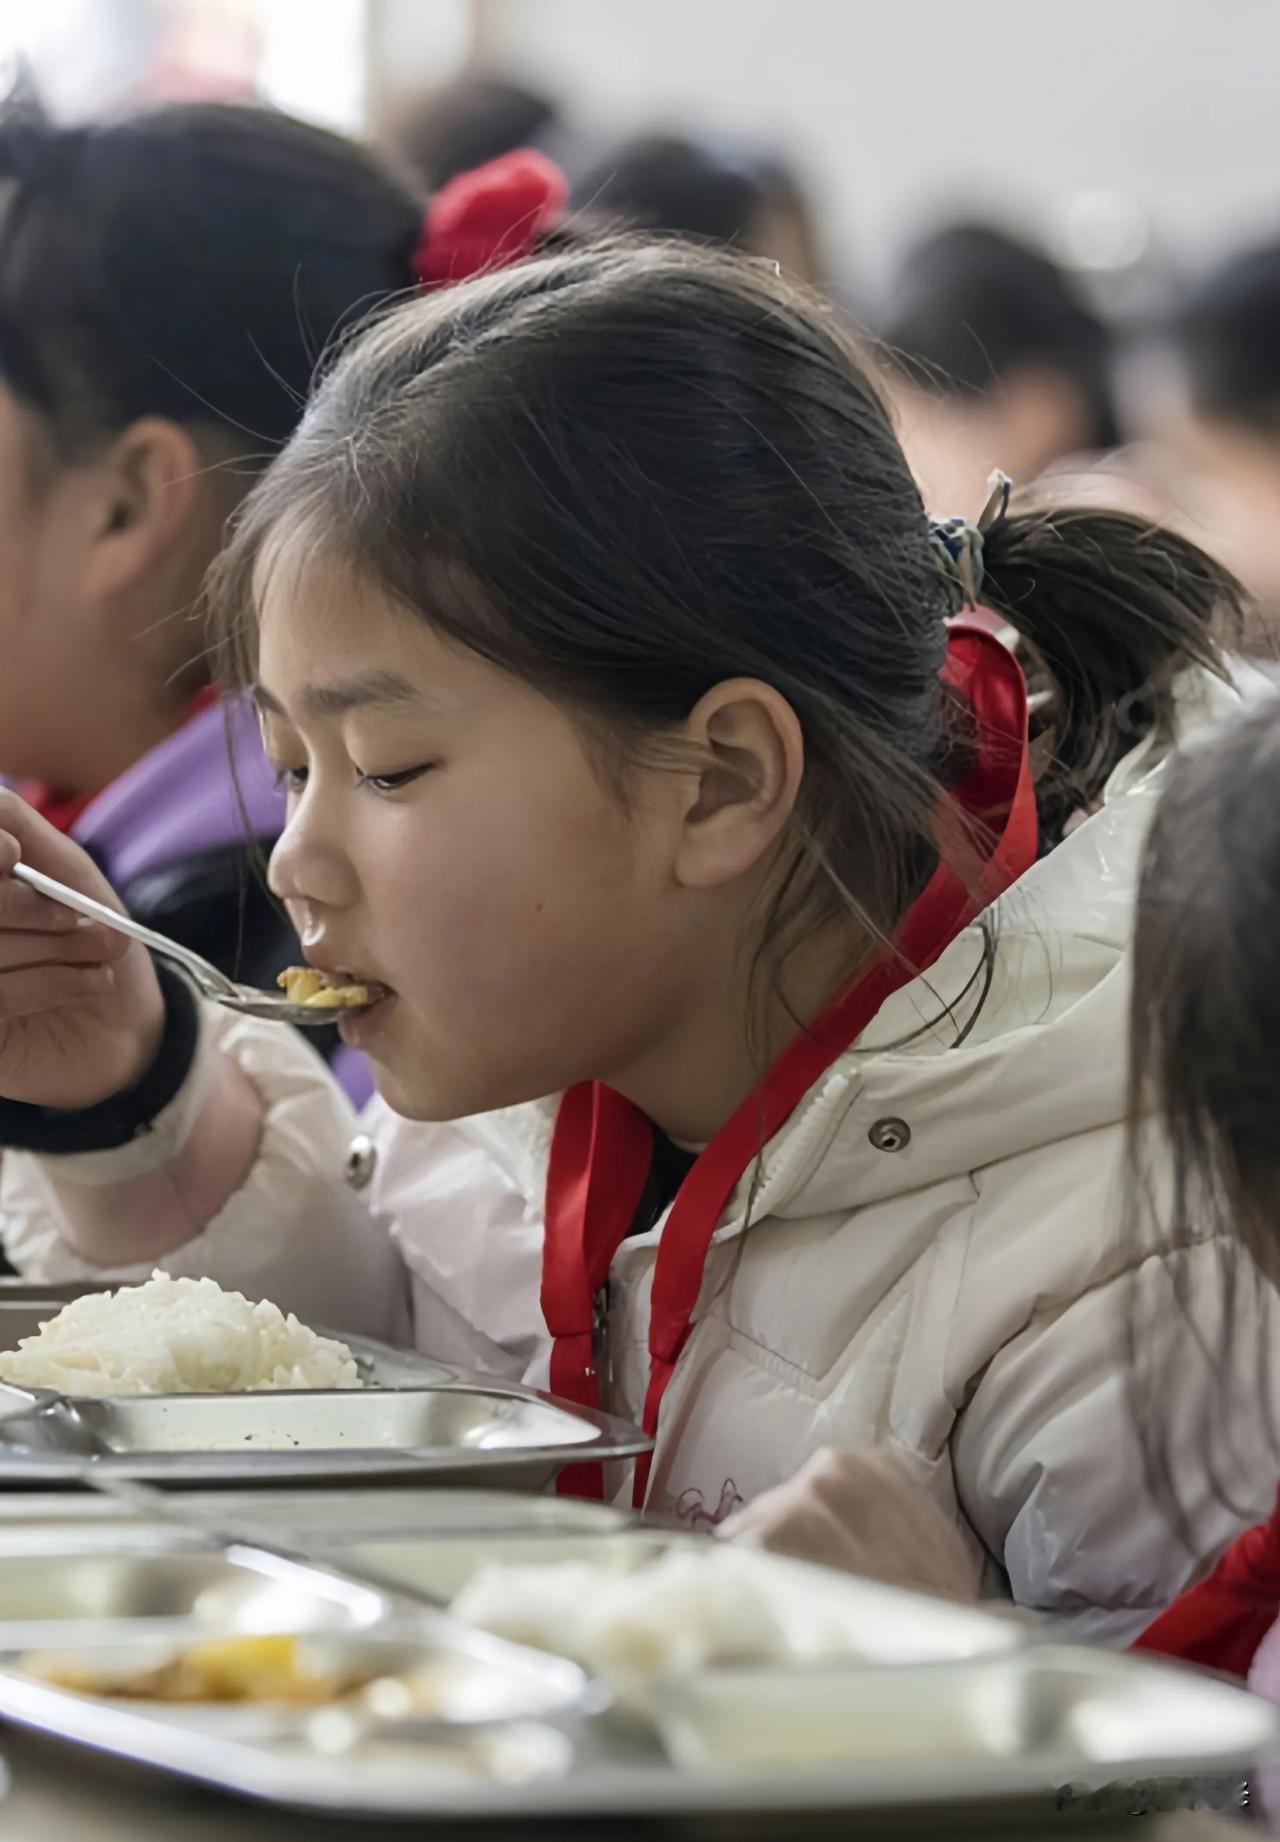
(176, 1336)
(692, 1609)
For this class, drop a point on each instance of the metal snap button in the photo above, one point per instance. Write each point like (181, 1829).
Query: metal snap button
(890, 1135)
(362, 1155)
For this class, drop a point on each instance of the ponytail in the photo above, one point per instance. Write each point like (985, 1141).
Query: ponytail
(1108, 608)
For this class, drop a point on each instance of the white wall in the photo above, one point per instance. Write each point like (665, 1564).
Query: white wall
(902, 108)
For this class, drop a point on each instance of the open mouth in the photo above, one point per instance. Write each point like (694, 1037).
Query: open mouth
(330, 991)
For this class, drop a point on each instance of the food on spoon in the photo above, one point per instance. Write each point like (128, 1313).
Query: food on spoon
(176, 1336)
(282, 1669)
(327, 991)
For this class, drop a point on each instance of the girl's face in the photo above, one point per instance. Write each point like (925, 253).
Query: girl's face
(103, 559)
(450, 838)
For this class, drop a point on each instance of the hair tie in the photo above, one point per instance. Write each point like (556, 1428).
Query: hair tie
(488, 218)
(960, 544)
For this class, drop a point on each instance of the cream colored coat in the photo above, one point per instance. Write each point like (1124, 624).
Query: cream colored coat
(961, 1298)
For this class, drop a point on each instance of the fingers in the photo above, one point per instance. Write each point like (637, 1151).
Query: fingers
(803, 1528)
(48, 988)
(24, 834)
(27, 951)
(23, 911)
(35, 930)
(21, 822)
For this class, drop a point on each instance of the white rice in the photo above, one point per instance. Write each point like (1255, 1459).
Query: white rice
(176, 1336)
(713, 1603)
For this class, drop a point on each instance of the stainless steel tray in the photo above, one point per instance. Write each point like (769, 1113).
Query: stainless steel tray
(979, 1733)
(315, 1516)
(163, 1583)
(99, 1610)
(458, 1432)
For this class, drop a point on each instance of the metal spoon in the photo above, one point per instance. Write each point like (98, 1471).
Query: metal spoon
(208, 981)
(49, 1421)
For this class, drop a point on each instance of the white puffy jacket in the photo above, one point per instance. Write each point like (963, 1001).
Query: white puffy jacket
(957, 1289)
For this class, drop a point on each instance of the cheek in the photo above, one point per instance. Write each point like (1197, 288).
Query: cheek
(535, 897)
(18, 545)
(531, 935)
(42, 589)
(33, 644)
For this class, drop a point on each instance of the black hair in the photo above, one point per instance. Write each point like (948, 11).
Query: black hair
(698, 480)
(1205, 1079)
(187, 262)
(712, 191)
(1226, 330)
(1206, 999)
(466, 124)
(971, 305)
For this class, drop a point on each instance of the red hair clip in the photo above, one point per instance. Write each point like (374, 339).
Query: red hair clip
(488, 218)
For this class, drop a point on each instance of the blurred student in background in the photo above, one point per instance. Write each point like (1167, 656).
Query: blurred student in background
(711, 190)
(995, 362)
(461, 125)
(1227, 339)
(1206, 1013)
(166, 284)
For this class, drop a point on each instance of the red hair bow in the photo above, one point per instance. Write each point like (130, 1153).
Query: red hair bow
(488, 218)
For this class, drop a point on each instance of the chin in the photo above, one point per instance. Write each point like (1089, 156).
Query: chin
(408, 1100)
(411, 1097)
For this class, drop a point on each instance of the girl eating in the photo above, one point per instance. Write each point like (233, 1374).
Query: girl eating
(601, 642)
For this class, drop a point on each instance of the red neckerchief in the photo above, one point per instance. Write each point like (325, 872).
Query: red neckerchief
(1220, 1623)
(63, 809)
(60, 809)
(601, 1146)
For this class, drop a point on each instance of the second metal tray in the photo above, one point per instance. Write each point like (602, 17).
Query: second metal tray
(456, 1433)
(960, 1736)
(314, 1516)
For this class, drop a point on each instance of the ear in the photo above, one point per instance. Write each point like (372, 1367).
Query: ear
(745, 790)
(146, 487)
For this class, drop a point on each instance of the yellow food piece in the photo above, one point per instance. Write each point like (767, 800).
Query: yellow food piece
(319, 990)
(223, 1669)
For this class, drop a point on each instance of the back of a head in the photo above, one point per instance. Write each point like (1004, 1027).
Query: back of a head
(972, 305)
(190, 262)
(1205, 1099)
(1206, 1003)
(467, 123)
(1227, 333)
(710, 190)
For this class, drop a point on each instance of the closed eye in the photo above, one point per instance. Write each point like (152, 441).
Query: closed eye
(392, 783)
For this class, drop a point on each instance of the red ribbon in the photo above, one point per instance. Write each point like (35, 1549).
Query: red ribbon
(1220, 1623)
(602, 1146)
(489, 218)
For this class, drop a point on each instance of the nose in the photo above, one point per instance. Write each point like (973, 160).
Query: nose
(309, 866)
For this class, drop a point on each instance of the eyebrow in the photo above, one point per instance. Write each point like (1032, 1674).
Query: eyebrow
(343, 694)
